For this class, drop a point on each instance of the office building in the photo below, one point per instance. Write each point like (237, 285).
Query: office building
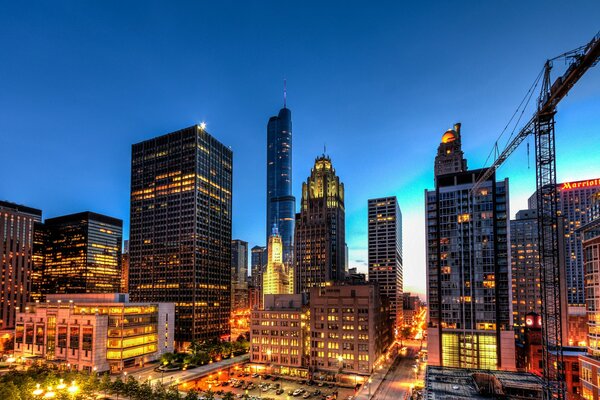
(320, 229)
(525, 268)
(180, 237)
(278, 278)
(281, 204)
(574, 204)
(82, 254)
(350, 329)
(16, 258)
(278, 333)
(258, 262)
(468, 273)
(239, 275)
(40, 238)
(590, 362)
(95, 332)
(385, 252)
(125, 268)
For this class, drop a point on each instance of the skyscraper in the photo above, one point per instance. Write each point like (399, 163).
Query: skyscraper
(277, 277)
(180, 238)
(525, 266)
(258, 262)
(469, 292)
(320, 229)
(281, 204)
(16, 250)
(385, 252)
(574, 205)
(82, 254)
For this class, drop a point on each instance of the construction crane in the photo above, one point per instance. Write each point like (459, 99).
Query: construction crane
(541, 126)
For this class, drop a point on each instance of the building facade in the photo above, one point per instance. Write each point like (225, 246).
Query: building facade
(525, 268)
(278, 278)
(320, 229)
(590, 363)
(385, 252)
(575, 200)
(469, 288)
(281, 204)
(180, 237)
(95, 332)
(82, 254)
(239, 274)
(16, 258)
(350, 329)
(278, 333)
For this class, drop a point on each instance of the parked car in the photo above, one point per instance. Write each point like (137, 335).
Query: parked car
(321, 384)
(279, 391)
(316, 392)
(306, 395)
(255, 375)
(297, 392)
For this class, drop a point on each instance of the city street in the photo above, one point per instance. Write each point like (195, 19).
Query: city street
(401, 377)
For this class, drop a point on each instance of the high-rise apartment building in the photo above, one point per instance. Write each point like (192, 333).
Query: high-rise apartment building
(281, 204)
(277, 277)
(82, 254)
(574, 205)
(320, 229)
(180, 238)
(16, 258)
(468, 272)
(525, 268)
(385, 252)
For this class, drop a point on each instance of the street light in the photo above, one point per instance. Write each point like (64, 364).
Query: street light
(370, 380)
(341, 364)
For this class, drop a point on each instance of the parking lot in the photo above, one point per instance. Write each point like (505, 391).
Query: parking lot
(261, 387)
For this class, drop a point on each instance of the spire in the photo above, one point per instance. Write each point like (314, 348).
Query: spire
(284, 92)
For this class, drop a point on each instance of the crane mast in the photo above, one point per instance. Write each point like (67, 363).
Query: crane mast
(541, 125)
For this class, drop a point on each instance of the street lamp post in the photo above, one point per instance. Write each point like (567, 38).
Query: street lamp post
(370, 380)
(341, 366)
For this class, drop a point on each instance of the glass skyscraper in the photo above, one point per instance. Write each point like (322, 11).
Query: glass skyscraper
(281, 204)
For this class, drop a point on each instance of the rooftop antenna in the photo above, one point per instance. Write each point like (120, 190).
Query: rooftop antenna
(324, 148)
(284, 92)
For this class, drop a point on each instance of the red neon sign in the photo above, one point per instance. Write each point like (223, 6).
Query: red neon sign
(580, 184)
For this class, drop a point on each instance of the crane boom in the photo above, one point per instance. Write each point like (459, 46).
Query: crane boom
(584, 58)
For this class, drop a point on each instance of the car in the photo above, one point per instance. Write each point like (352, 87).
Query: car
(291, 392)
(316, 392)
(331, 386)
(265, 389)
(279, 391)
(266, 377)
(297, 392)
(306, 395)
(255, 375)
(275, 378)
(239, 395)
(302, 382)
(226, 383)
(320, 384)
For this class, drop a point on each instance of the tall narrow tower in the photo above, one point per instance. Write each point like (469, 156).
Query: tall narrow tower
(281, 204)
(450, 157)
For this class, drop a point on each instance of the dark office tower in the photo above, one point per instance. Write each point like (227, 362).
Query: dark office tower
(16, 258)
(320, 229)
(385, 252)
(258, 262)
(281, 204)
(180, 237)
(83, 254)
(525, 265)
(239, 261)
(125, 268)
(574, 206)
(468, 286)
(450, 157)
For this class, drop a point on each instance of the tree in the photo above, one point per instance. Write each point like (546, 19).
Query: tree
(132, 387)
(173, 393)
(227, 396)
(118, 386)
(9, 390)
(167, 358)
(105, 383)
(192, 395)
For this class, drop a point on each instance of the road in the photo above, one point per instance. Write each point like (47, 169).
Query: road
(401, 376)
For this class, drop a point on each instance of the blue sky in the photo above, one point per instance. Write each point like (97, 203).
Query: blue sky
(378, 83)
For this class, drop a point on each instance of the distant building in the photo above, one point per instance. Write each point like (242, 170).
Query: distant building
(278, 278)
(16, 261)
(180, 236)
(278, 334)
(281, 204)
(40, 238)
(258, 262)
(468, 287)
(525, 266)
(103, 332)
(575, 200)
(349, 328)
(385, 252)
(125, 268)
(320, 229)
(411, 306)
(82, 254)
(239, 274)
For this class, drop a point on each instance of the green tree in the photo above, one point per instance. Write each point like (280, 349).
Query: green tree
(191, 395)
(227, 396)
(118, 386)
(8, 390)
(173, 393)
(167, 358)
(131, 387)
